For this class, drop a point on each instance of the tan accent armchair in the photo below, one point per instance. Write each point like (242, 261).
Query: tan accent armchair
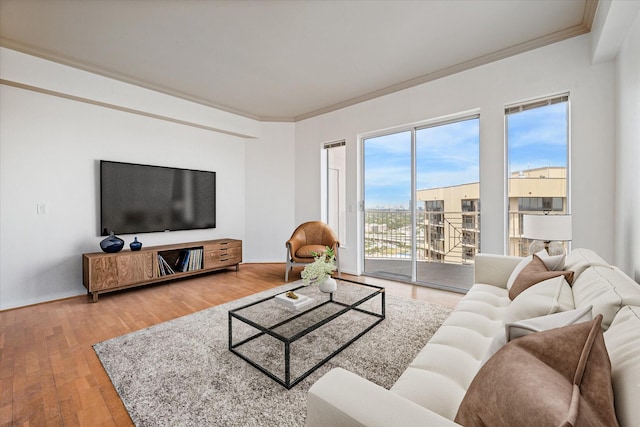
(308, 238)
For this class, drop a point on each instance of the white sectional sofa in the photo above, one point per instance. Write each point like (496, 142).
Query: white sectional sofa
(430, 391)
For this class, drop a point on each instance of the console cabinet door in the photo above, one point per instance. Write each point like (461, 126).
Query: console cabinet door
(110, 272)
(134, 268)
(103, 273)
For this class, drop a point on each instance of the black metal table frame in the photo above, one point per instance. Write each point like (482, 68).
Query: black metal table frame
(288, 383)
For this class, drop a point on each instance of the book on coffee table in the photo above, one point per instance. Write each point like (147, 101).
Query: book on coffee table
(300, 302)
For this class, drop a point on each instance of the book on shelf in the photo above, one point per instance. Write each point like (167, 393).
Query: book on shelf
(195, 258)
(164, 269)
(188, 260)
(182, 260)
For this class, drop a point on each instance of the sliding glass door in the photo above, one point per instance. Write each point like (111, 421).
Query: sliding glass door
(422, 204)
(448, 202)
(387, 202)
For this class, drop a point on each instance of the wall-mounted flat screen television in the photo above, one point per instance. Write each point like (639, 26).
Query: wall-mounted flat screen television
(143, 198)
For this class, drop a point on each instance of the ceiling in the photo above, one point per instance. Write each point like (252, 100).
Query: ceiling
(284, 60)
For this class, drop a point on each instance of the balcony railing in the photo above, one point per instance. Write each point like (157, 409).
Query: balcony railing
(452, 237)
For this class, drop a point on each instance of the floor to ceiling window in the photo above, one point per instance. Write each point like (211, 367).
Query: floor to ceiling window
(537, 164)
(421, 203)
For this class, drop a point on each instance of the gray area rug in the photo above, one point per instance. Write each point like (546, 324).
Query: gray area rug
(181, 373)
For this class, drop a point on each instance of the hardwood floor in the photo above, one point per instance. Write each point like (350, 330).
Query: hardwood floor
(49, 373)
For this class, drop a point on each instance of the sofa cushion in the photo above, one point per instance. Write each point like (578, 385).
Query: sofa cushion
(309, 251)
(580, 259)
(607, 289)
(547, 297)
(461, 341)
(537, 324)
(535, 272)
(570, 364)
(622, 340)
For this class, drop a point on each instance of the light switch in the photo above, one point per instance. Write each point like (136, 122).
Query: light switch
(41, 208)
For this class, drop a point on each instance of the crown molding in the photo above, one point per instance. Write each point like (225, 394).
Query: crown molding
(121, 77)
(568, 33)
(589, 15)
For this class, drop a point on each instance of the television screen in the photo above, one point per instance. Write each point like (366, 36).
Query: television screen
(142, 198)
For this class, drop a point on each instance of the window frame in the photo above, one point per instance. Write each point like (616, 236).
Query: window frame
(326, 196)
(526, 105)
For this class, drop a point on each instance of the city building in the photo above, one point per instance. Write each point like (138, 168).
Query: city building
(452, 217)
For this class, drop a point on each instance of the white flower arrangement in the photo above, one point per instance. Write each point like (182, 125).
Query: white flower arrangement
(321, 268)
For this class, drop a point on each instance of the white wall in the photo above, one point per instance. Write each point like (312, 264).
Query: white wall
(50, 145)
(558, 68)
(628, 153)
(270, 192)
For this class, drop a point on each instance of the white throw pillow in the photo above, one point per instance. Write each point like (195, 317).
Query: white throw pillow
(543, 323)
(553, 262)
(537, 324)
(544, 298)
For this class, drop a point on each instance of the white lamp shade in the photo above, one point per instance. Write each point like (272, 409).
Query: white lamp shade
(546, 227)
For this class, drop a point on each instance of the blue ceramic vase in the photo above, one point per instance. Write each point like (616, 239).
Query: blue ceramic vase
(135, 245)
(112, 244)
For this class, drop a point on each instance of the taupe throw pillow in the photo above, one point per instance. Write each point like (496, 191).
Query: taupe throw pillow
(536, 271)
(559, 377)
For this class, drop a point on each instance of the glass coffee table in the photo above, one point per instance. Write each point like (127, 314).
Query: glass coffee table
(288, 343)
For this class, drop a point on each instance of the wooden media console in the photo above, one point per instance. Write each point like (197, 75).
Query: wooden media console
(104, 272)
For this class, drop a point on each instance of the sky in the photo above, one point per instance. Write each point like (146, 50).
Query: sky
(448, 155)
